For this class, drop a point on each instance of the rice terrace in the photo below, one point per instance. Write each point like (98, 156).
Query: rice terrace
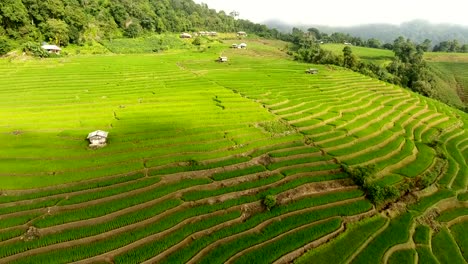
(246, 161)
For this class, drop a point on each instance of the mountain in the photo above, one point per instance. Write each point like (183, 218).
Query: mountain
(416, 30)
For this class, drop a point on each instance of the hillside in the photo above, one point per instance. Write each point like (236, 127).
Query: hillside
(450, 68)
(63, 22)
(197, 148)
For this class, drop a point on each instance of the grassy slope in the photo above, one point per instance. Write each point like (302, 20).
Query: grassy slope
(451, 68)
(209, 122)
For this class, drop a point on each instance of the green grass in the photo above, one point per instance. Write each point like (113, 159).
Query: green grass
(274, 250)
(195, 246)
(425, 255)
(221, 253)
(397, 232)
(197, 195)
(459, 234)
(463, 196)
(145, 44)
(237, 173)
(445, 249)
(451, 214)
(73, 188)
(197, 140)
(422, 235)
(377, 56)
(346, 243)
(148, 250)
(113, 206)
(91, 230)
(402, 256)
(12, 233)
(423, 161)
(427, 201)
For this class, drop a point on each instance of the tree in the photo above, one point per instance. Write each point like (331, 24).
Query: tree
(388, 46)
(464, 48)
(5, 45)
(374, 43)
(426, 45)
(349, 59)
(56, 31)
(133, 30)
(269, 201)
(315, 32)
(197, 41)
(13, 15)
(454, 46)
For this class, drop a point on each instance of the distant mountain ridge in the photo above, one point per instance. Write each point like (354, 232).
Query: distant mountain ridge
(416, 30)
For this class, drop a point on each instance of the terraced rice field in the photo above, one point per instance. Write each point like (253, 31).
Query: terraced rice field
(194, 148)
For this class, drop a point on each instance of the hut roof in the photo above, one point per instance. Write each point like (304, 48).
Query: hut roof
(98, 133)
(50, 47)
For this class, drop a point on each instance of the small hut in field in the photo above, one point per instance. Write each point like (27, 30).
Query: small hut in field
(312, 71)
(51, 48)
(222, 59)
(241, 34)
(98, 138)
(242, 46)
(234, 46)
(185, 35)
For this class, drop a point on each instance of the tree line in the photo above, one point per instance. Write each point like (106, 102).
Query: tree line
(339, 37)
(64, 22)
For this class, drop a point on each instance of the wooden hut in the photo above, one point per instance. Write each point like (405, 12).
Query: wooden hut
(51, 48)
(312, 71)
(98, 138)
(222, 59)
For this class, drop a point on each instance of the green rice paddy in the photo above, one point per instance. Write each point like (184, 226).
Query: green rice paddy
(194, 148)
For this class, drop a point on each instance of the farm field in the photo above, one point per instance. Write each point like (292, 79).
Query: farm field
(377, 56)
(451, 68)
(194, 148)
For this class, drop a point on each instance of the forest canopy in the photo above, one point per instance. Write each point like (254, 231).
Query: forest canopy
(80, 21)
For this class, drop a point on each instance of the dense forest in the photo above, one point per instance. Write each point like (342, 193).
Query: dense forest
(79, 21)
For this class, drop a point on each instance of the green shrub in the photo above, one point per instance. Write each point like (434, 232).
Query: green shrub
(360, 175)
(35, 50)
(269, 201)
(6, 45)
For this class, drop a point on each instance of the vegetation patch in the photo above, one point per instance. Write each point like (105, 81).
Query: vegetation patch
(346, 243)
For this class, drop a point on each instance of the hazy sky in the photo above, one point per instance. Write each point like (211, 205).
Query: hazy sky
(346, 12)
